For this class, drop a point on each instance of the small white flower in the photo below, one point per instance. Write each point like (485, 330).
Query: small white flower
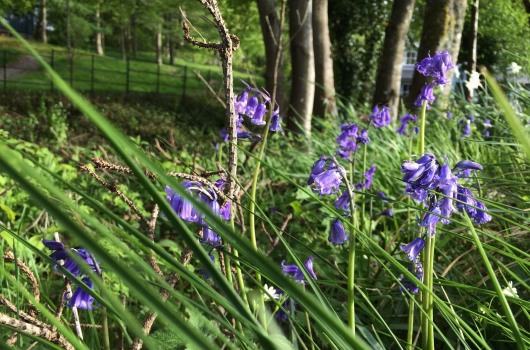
(474, 81)
(515, 68)
(272, 291)
(510, 290)
(456, 72)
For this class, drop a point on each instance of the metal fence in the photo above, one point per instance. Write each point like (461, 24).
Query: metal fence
(91, 73)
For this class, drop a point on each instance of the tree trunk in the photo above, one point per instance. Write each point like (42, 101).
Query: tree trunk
(442, 30)
(472, 59)
(270, 28)
(171, 40)
(303, 63)
(40, 26)
(159, 43)
(128, 38)
(99, 35)
(458, 14)
(122, 44)
(324, 102)
(68, 39)
(134, 37)
(388, 80)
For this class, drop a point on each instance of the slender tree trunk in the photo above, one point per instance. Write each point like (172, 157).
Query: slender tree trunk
(129, 39)
(40, 28)
(99, 34)
(458, 14)
(270, 28)
(303, 63)
(68, 38)
(388, 80)
(159, 43)
(324, 101)
(134, 37)
(171, 40)
(122, 44)
(472, 59)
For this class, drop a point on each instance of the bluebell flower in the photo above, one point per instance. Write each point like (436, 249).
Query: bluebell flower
(81, 299)
(449, 115)
(289, 269)
(388, 212)
(338, 234)
(426, 94)
(382, 195)
(436, 67)
(402, 130)
(408, 285)
(380, 117)
(363, 137)
(418, 194)
(467, 130)
(347, 140)
(482, 215)
(209, 236)
(280, 314)
(464, 168)
(471, 118)
(317, 169)
(70, 264)
(328, 182)
(247, 135)
(240, 102)
(275, 123)
(422, 172)
(465, 195)
(414, 248)
(296, 273)
(487, 125)
(431, 219)
(368, 177)
(343, 201)
(359, 186)
(183, 208)
(416, 130)
(257, 118)
(251, 106)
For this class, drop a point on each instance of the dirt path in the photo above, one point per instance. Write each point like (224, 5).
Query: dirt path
(23, 66)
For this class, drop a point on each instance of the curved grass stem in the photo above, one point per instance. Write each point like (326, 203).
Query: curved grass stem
(351, 265)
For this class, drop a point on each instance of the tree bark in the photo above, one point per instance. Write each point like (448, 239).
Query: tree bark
(324, 102)
(68, 38)
(388, 80)
(442, 30)
(303, 71)
(99, 35)
(270, 28)
(40, 26)
(134, 37)
(472, 59)
(170, 39)
(159, 43)
(122, 44)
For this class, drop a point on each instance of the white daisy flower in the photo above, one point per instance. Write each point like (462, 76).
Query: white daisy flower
(510, 290)
(272, 291)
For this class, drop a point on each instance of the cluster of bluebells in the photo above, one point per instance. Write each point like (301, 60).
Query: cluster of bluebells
(380, 116)
(402, 130)
(295, 272)
(466, 131)
(80, 298)
(185, 210)
(253, 107)
(435, 67)
(426, 176)
(350, 139)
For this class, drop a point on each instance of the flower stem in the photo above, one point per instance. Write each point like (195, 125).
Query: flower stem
(411, 323)
(351, 265)
(422, 127)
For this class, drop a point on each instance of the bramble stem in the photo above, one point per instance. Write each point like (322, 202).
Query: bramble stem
(351, 265)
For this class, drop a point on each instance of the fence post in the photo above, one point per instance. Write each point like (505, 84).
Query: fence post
(127, 83)
(92, 77)
(5, 72)
(184, 83)
(157, 78)
(51, 63)
(71, 59)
